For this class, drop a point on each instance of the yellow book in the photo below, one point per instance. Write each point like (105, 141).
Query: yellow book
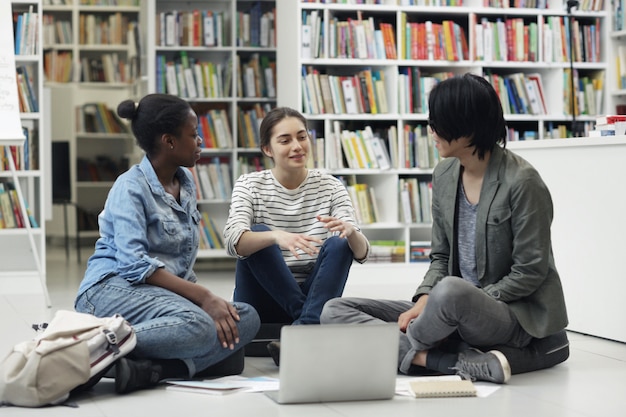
(217, 242)
(7, 210)
(358, 152)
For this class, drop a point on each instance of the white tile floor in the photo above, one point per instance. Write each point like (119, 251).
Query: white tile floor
(591, 383)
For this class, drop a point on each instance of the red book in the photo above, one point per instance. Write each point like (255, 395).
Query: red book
(17, 209)
(610, 119)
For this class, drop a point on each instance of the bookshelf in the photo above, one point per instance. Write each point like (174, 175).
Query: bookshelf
(22, 239)
(384, 48)
(617, 68)
(92, 56)
(219, 55)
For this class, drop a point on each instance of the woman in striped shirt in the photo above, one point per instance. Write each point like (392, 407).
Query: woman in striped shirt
(292, 229)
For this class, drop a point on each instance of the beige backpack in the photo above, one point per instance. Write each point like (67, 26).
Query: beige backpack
(72, 348)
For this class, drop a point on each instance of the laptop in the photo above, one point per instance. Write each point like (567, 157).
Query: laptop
(337, 362)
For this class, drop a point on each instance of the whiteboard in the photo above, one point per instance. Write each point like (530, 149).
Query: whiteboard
(11, 131)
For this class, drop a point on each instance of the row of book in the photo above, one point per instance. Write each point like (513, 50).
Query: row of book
(584, 5)
(381, 148)
(419, 251)
(190, 78)
(109, 68)
(587, 96)
(102, 29)
(100, 168)
(415, 196)
(130, 3)
(213, 179)
(257, 76)
(26, 157)
(350, 38)
(364, 150)
(214, 129)
(252, 163)
(11, 212)
(56, 31)
(414, 86)
(509, 39)
(387, 251)
(365, 204)
(27, 99)
(415, 200)
(618, 17)
(609, 125)
(190, 28)
(97, 117)
(363, 92)
(520, 93)
(210, 235)
(318, 151)
(399, 2)
(585, 40)
(415, 148)
(248, 124)
(499, 39)
(58, 66)
(587, 5)
(439, 41)
(256, 27)
(26, 32)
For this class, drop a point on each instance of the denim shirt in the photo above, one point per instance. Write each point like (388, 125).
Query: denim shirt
(143, 228)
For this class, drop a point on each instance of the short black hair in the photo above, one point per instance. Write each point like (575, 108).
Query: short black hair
(153, 116)
(467, 106)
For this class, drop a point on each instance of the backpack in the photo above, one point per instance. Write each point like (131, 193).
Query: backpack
(71, 349)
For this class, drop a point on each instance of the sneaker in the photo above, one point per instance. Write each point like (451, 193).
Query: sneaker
(132, 375)
(274, 349)
(491, 366)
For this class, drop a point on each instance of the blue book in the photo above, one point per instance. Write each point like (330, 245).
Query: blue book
(18, 35)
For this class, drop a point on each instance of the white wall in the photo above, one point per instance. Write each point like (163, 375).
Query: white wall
(587, 180)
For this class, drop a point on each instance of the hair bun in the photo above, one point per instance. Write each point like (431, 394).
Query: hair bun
(127, 109)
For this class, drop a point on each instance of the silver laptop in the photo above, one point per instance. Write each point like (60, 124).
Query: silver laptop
(337, 362)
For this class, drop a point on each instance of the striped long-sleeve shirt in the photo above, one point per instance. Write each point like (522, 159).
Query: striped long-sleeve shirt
(258, 198)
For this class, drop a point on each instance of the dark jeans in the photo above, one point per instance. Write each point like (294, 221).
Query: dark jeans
(457, 316)
(264, 281)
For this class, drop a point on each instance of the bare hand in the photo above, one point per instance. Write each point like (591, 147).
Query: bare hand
(334, 224)
(225, 317)
(405, 318)
(297, 243)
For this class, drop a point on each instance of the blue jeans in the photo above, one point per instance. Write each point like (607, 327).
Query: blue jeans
(264, 281)
(168, 326)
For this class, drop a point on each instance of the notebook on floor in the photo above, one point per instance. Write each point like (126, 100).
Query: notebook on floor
(337, 362)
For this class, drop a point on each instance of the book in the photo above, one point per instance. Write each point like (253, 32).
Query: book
(204, 387)
(610, 119)
(7, 209)
(442, 388)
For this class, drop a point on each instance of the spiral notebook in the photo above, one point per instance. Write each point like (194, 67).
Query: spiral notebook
(442, 388)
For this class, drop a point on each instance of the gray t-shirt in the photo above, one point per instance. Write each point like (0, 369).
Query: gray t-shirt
(467, 237)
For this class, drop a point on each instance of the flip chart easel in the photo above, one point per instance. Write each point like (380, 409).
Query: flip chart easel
(11, 125)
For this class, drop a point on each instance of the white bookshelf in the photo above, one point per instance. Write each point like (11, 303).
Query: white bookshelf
(23, 249)
(87, 53)
(234, 94)
(291, 61)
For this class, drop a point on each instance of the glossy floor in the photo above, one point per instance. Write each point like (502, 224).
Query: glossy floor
(591, 383)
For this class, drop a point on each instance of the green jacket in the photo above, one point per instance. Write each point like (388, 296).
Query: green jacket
(513, 245)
